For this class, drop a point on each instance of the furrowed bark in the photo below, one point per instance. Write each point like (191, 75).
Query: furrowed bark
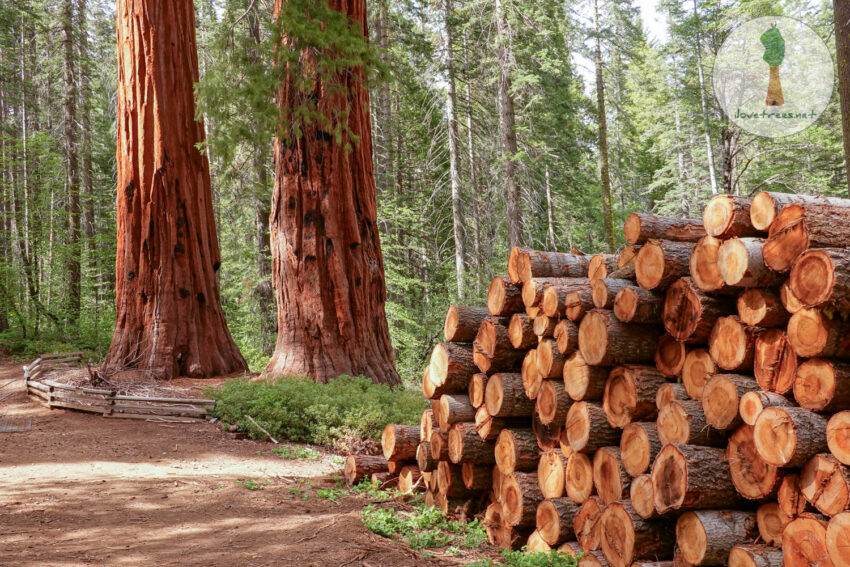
(466, 446)
(641, 227)
(553, 403)
(605, 341)
(505, 396)
(520, 498)
(540, 264)
(521, 332)
(517, 450)
(707, 536)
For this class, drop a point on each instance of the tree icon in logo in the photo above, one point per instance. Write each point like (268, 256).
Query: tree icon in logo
(774, 53)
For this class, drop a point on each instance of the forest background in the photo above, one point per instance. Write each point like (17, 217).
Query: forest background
(451, 75)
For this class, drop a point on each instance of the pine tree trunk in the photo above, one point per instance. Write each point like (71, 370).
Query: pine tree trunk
(604, 173)
(328, 268)
(842, 48)
(169, 321)
(704, 106)
(71, 162)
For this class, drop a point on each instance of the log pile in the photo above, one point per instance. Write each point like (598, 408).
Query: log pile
(684, 403)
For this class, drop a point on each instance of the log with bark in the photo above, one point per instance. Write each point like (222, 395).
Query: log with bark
(587, 523)
(821, 278)
(627, 256)
(424, 459)
(755, 555)
(454, 408)
(553, 403)
(752, 404)
(477, 477)
(566, 336)
(583, 381)
(789, 436)
(550, 359)
(762, 308)
(605, 341)
(462, 323)
(542, 264)
(825, 483)
(641, 496)
(548, 435)
(838, 436)
(550, 474)
(554, 520)
(577, 304)
(690, 314)
(450, 369)
(767, 204)
(634, 304)
(697, 370)
(506, 397)
(399, 442)
(639, 445)
(626, 537)
(753, 477)
(789, 300)
(489, 427)
(410, 479)
(588, 428)
(692, 477)
(493, 351)
(533, 289)
(790, 497)
(804, 543)
(477, 387)
(520, 498)
(683, 421)
(544, 326)
(531, 378)
(670, 356)
(609, 477)
(504, 298)
(706, 537)
(521, 331)
(775, 362)
(771, 523)
(439, 447)
(578, 477)
(466, 446)
(604, 291)
(721, 399)
(799, 227)
(514, 262)
(732, 344)
(741, 264)
(661, 262)
(641, 227)
(726, 216)
(516, 450)
(823, 385)
(535, 544)
(358, 467)
(600, 266)
(703, 266)
(838, 539)
(630, 394)
(669, 392)
(555, 297)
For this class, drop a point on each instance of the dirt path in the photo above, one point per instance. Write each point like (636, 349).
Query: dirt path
(78, 489)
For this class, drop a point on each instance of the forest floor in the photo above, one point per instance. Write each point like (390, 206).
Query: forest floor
(79, 489)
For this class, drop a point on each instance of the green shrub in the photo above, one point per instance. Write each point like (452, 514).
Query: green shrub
(425, 527)
(343, 412)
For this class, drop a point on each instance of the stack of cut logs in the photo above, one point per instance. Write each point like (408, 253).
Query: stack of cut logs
(681, 403)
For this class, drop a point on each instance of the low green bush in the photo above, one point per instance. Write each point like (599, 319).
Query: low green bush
(340, 414)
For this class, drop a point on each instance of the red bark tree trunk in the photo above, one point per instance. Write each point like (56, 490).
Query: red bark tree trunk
(328, 270)
(169, 320)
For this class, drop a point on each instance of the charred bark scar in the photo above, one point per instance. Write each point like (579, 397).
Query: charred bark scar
(144, 297)
(309, 258)
(309, 218)
(130, 190)
(131, 276)
(216, 266)
(292, 202)
(178, 248)
(201, 298)
(184, 293)
(357, 282)
(329, 246)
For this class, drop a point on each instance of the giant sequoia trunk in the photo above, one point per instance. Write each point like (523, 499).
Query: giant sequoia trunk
(328, 272)
(169, 321)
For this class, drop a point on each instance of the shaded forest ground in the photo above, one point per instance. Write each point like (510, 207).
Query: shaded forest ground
(78, 489)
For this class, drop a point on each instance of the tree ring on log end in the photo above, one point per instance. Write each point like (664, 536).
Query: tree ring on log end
(649, 270)
(775, 436)
(669, 479)
(813, 278)
(807, 332)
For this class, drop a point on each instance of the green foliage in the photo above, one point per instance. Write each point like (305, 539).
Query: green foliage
(290, 453)
(252, 485)
(346, 410)
(424, 528)
(774, 47)
(526, 558)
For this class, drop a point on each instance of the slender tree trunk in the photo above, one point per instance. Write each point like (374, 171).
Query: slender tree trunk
(842, 48)
(71, 163)
(507, 128)
(169, 320)
(89, 197)
(454, 153)
(604, 173)
(473, 175)
(328, 270)
(704, 105)
(550, 217)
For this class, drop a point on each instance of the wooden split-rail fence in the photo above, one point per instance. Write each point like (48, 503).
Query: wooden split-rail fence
(104, 401)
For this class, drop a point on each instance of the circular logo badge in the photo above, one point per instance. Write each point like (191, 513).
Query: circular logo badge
(773, 76)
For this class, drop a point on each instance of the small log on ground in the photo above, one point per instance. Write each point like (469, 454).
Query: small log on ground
(670, 356)
(550, 474)
(775, 362)
(641, 227)
(690, 314)
(683, 422)
(721, 399)
(753, 477)
(838, 436)
(753, 403)
(630, 394)
(583, 381)
(625, 536)
(399, 442)
(762, 308)
(825, 483)
(789, 436)
(554, 520)
(588, 428)
(697, 370)
(587, 523)
(726, 216)
(578, 477)
(804, 544)
(577, 304)
(358, 467)
(605, 341)
(466, 446)
(516, 450)
(462, 323)
(634, 304)
(609, 477)
(732, 344)
(661, 262)
(823, 385)
(639, 446)
(504, 298)
(535, 544)
(706, 537)
(506, 397)
(741, 264)
(691, 477)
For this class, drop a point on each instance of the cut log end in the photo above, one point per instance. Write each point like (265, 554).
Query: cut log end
(670, 356)
(804, 544)
(838, 436)
(838, 539)
(812, 278)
